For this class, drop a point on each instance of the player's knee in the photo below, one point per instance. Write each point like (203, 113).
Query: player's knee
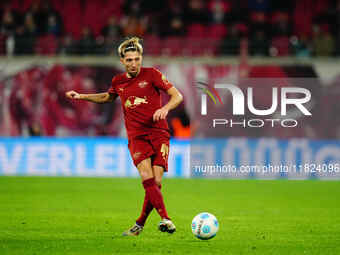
(146, 174)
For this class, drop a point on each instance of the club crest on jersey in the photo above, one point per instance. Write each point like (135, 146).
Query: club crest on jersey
(143, 84)
(164, 79)
(133, 102)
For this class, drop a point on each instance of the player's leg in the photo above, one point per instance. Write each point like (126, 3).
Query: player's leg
(146, 173)
(152, 191)
(145, 169)
(166, 225)
(147, 205)
(153, 196)
(160, 143)
(158, 172)
(141, 150)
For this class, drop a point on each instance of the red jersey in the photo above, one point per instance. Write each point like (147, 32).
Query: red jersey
(140, 98)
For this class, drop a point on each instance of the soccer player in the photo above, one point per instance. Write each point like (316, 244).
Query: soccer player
(145, 120)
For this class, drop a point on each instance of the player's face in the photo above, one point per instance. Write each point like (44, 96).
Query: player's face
(132, 62)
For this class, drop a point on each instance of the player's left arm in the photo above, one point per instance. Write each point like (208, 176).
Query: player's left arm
(175, 99)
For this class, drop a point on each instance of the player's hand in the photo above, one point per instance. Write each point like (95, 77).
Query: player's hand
(72, 94)
(160, 114)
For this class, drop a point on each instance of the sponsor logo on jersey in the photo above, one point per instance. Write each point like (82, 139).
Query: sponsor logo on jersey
(133, 102)
(143, 84)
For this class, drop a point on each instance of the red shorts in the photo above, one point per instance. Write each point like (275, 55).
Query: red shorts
(154, 145)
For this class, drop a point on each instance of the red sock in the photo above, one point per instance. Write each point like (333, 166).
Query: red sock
(154, 196)
(147, 209)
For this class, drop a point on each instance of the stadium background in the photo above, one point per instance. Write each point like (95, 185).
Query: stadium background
(49, 47)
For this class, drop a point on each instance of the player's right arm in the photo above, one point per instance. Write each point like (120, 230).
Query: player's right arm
(99, 98)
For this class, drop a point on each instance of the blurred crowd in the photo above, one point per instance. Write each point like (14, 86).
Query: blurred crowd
(171, 27)
(35, 103)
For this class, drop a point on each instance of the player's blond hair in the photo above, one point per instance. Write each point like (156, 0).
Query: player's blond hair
(130, 44)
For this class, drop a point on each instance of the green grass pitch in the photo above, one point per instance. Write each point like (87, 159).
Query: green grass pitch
(88, 215)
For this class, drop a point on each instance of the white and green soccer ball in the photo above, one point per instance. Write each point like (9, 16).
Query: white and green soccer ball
(204, 226)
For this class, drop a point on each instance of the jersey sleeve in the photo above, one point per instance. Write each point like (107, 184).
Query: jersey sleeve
(112, 89)
(160, 81)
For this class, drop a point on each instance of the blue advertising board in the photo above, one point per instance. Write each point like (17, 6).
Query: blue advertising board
(233, 157)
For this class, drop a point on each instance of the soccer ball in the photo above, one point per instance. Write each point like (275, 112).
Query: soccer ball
(204, 226)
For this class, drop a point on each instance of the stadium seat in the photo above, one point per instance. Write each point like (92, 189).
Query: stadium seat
(279, 16)
(110, 9)
(152, 45)
(320, 7)
(2, 44)
(303, 26)
(194, 46)
(173, 46)
(72, 18)
(197, 30)
(58, 5)
(23, 5)
(214, 34)
(212, 45)
(258, 17)
(46, 45)
(280, 45)
(217, 31)
(91, 17)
